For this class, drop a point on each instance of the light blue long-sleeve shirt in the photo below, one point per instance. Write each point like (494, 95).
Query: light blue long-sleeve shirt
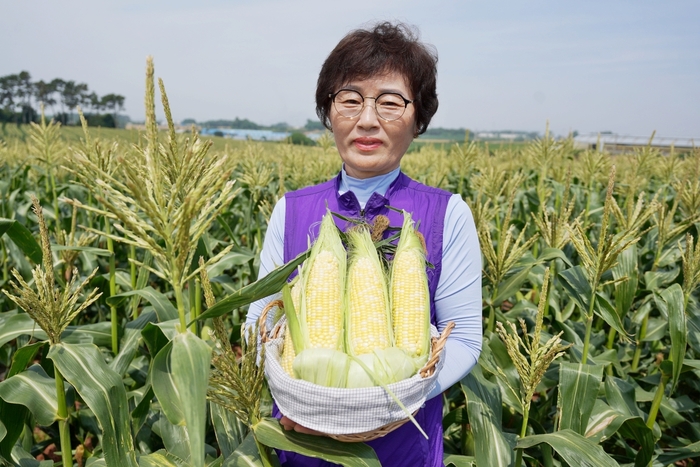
(458, 294)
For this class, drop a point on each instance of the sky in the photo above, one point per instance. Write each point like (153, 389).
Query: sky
(627, 66)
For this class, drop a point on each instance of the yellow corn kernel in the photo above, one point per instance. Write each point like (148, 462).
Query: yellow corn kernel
(296, 295)
(367, 307)
(409, 302)
(288, 353)
(324, 318)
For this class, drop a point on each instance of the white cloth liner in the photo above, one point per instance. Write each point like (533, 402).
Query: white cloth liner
(339, 411)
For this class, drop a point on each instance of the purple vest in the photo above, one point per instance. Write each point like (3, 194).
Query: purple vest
(404, 446)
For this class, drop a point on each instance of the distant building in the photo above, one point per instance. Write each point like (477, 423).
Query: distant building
(256, 135)
(507, 135)
(614, 143)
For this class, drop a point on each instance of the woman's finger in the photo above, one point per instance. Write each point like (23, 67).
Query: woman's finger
(287, 423)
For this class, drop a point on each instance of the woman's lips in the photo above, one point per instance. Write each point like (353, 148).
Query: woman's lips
(367, 144)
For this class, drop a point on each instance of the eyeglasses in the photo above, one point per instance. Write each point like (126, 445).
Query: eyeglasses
(389, 105)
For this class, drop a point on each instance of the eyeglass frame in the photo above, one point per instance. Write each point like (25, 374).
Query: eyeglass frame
(332, 97)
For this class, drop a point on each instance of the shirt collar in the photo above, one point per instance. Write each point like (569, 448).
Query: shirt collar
(363, 188)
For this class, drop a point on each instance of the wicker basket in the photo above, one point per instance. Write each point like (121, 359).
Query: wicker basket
(371, 408)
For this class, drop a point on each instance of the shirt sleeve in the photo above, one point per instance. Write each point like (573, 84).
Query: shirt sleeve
(458, 295)
(271, 256)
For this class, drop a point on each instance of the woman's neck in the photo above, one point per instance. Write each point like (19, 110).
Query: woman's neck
(364, 187)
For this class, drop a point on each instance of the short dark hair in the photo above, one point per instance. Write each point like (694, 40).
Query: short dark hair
(385, 48)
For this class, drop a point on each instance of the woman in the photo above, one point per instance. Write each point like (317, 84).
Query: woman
(376, 93)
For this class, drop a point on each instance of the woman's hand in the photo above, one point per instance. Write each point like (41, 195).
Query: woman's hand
(291, 425)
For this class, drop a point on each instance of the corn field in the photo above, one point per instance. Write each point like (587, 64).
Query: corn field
(128, 265)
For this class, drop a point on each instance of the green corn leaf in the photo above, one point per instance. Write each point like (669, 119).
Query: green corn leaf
(678, 328)
(672, 409)
(16, 412)
(268, 285)
(456, 417)
(164, 309)
(511, 284)
(35, 390)
(693, 323)
(3, 431)
(229, 430)
(22, 237)
(578, 390)
(576, 284)
(625, 291)
(656, 329)
(21, 324)
(156, 336)
(690, 451)
(161, 458)
(456, 460)
(180, 376)
(621, 395)
(608, 357)
(245, 455)
(655, 280)
(24, 459)
(129, 344)
(548, 254)
(572, 447)
(103, 391)
(270, 433)
(163, 384)
(606, 310)
(23, 357)
(174, 438)
(20, 415)
(484, 408)
(96, 462)
(237, 257)
(140, 414)
(606, 421)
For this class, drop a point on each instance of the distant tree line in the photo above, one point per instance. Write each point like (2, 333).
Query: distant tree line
(239, 124)
(21, 99)
(245, 124)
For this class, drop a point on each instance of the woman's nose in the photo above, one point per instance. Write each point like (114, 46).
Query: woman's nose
(368, 115)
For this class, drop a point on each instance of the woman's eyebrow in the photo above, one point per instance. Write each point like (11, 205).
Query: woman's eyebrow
(353, 87)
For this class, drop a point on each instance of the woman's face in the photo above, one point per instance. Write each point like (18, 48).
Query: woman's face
(368, 145)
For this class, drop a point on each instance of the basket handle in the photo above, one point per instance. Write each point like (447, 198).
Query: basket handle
(438, 344)
(264, 337)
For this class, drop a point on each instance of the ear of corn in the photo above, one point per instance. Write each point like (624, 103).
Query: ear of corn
(322, 281)
(368, 315)
(329, 311)
(314, 313)
(288, 353)
(410, 304)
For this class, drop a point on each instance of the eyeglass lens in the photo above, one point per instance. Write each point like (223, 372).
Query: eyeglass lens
(389, 106)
